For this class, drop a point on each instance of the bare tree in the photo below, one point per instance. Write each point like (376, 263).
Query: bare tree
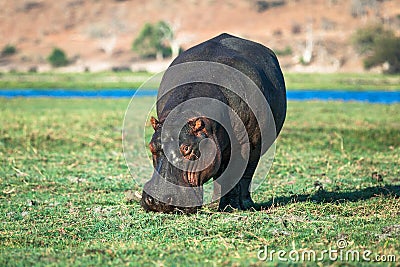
(175, 38)
(308, 51)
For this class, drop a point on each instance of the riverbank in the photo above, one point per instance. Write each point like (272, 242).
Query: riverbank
(118, 80)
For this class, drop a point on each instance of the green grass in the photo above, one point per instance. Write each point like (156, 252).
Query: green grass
(63, 181)
(344, 81)
(81, 81)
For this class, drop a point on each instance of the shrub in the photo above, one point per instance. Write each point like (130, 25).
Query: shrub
(263, 5)
(58, 58)
(151, 40)
(29, 5)
(285, 52)
(296, 28)
(386, 49)
(365, 38)
(8, 50)
(379, 46)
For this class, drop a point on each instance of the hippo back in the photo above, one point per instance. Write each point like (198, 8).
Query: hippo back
(256, 61)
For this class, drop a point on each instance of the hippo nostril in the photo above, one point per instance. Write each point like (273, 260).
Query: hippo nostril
(149, 200)
(169, 200)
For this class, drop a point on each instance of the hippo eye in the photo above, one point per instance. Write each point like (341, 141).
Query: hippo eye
(185, 149)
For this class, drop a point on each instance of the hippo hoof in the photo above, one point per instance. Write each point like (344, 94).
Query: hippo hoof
(247, 204)
(231, 204)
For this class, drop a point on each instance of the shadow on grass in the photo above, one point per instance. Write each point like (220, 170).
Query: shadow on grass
(322, 196)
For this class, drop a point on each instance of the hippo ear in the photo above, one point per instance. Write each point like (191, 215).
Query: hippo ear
(154, 122)
(197, 124)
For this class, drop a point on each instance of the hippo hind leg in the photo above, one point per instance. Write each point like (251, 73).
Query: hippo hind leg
(239, 197)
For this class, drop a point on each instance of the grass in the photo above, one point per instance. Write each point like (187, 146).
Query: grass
(344, 81)
(81, 81)
(63, 181)
(90, 81)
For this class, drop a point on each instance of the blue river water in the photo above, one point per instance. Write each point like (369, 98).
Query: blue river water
(385, 97)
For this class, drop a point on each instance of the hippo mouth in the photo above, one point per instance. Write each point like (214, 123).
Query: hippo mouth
(191, 178)
(180, 172)
(151, 204)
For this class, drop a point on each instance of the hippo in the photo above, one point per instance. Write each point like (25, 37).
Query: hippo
(224, 128)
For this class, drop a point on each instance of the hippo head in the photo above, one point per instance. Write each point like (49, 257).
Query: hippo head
(174, 187)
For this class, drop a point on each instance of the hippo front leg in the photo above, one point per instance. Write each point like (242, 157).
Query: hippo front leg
(231, 200)
(239, 196)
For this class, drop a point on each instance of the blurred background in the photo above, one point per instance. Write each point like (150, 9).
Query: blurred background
(102, 35)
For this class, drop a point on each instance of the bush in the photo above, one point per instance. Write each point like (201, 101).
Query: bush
(285, 52)
(151, 40)
(296, 28)
(366, 38)
(379, 46)
(58, 58)
(386, 49)
(263, 5)
(8, 50)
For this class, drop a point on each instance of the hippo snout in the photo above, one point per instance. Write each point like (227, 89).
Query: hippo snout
(149, 203)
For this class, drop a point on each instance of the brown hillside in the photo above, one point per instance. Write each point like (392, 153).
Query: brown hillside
(97, 34)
